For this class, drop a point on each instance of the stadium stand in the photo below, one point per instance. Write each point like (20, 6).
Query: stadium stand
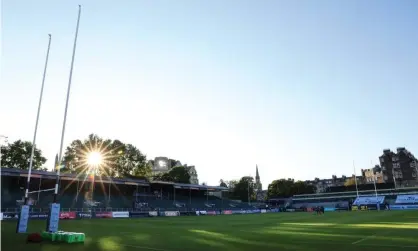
(279, 202)
(346, 199)
(100, 193)
(10, 193)
(105, 194)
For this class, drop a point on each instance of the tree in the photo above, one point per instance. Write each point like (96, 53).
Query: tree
(117, 159)
(222, 183)
(244, 187)
(300, 187)
(280, 188)
(17, 155)
(177, 174)
(163, 177)
(231, 184)
(288, 187)
(131, 162)
(180, 174)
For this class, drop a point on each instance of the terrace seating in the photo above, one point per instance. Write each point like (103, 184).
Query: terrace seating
(161, 204)
(81, 195)
(316, 204)
(10, 193)
(9, 198)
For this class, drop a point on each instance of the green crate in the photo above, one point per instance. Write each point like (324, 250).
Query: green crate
(61, 236)
(80, 237)
(64, 237)
(70, 237)
(46, 235)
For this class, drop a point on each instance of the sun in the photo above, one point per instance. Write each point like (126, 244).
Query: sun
(94, 159)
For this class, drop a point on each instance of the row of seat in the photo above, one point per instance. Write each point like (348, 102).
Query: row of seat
(11, 198)
(319, 204)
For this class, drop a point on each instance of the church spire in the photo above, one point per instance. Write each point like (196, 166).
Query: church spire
(257, 179)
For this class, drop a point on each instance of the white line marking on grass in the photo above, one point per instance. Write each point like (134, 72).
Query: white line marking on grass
(302, 242)
(144, 247)
(371, 236)
(330, 242)
(383, 245)
(357, 243)
(363, 239)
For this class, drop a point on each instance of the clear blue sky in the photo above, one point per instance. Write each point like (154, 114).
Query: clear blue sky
(301, 88)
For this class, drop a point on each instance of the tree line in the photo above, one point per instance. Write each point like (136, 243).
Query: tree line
(117, 159)
(245, 189)
(124, 160)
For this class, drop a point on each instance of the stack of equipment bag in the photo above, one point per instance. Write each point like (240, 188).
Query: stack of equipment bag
(61, 236)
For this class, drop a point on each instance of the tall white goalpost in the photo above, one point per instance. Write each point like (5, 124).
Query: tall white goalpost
(54, 209)
(53, 215)
(24, 211)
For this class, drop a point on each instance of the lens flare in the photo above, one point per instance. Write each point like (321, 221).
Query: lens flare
(94, 159)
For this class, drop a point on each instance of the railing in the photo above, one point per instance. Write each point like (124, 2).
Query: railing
(38, 210)
(399, 190)
(361, 194)
(184, 209)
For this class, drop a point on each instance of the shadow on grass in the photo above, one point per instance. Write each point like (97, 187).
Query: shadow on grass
(213, 244)
(21, 245)
(230, 241)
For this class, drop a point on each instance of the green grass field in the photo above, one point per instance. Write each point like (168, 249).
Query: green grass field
(351, 231)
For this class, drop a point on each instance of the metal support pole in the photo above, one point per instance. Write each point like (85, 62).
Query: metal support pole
(355, 177)
(39, 188)
(37, 120)
(78, 190)
(375, 188)
(374, 180)
(222, 199)
(66, 105)
(92, 188)
(109, 191)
